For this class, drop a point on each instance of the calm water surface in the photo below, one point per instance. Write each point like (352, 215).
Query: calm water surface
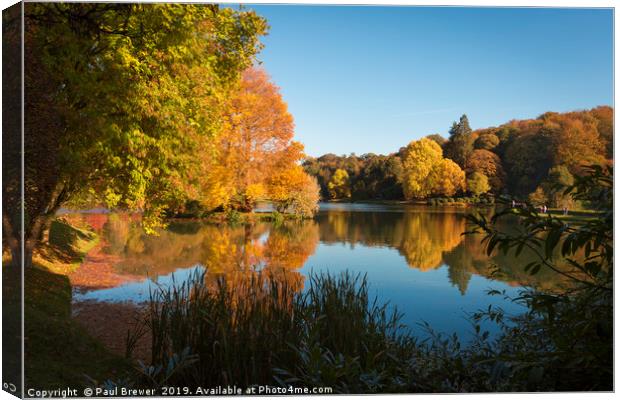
(414, 257)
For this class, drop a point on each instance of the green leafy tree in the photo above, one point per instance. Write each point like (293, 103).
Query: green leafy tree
(573, 330)
(527, 160)
(555, 184)
(124, 95)
(371, 175)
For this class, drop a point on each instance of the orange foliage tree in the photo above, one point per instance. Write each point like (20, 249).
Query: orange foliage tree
(576, 140)
(489, 164)
(256, 157)
(293, 190)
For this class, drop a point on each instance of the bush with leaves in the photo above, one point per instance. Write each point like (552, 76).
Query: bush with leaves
(565, 340)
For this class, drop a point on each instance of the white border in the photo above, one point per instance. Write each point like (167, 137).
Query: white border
(470, 3)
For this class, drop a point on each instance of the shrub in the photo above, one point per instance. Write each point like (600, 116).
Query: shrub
(277, 218)
(565, 340)
(234, 217)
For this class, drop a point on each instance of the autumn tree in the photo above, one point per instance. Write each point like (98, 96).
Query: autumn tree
(293, 190)
(490, 165)
(538, 197)
(604, 117)
(421, 156)
(486, 141)
(426, 172)
(570, 139)
(437, 138)
(576, 140)
(303, 200)
(339, 187)
(125, 94)
(516, 157)
(460, 143)
(446, 178)
(256, 141)
(478, 183)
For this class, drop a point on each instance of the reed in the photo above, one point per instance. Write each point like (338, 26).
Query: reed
(259, 328)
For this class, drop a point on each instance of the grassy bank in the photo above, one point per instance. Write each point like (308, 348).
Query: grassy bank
(59, 352)
(67, 246)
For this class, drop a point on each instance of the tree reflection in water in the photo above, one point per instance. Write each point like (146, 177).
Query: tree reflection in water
(233, 253)
(428, 238)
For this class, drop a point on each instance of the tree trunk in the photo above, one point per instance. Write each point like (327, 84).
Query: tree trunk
(12, 240)
(45, 230)
(33, 237)
(16, 255)
(28, 251)
(45, 235)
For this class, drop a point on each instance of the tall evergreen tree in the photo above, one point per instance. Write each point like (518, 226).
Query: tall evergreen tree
(460, 145)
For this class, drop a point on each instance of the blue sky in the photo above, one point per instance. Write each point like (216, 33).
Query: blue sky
(371, 79)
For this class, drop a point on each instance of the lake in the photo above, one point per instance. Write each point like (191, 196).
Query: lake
(415, 257)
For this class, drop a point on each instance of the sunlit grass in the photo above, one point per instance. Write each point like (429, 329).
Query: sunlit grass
(68, 245)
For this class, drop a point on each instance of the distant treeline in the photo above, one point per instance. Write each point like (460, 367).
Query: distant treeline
(525, 158)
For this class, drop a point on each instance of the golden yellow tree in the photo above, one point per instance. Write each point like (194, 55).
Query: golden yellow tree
(420, 158)
(426, 172)
(446, 178)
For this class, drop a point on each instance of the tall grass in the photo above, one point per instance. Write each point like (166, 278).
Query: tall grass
(233, 328)
(259, 329)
